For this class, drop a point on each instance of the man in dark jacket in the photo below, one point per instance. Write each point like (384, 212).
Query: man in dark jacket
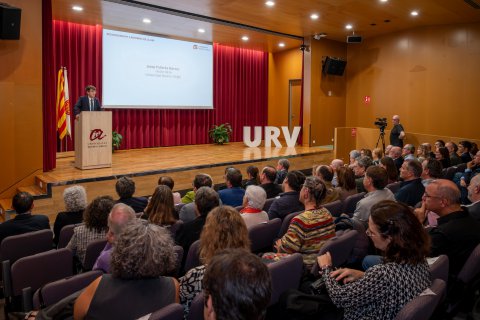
(288, 201)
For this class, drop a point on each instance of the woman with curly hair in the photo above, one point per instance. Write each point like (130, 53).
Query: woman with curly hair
(95, 226)
(160, 209)
(143, 254)
(224, 229)
(75, 199)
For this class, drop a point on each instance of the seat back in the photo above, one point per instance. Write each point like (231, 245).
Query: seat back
(65, 235)
(92, 252)
(173, 311)
(286, 223)
(40, 269)
(439, 268)
(57, 290)
(285, 274)
(394, 186)
(15, 247)
(179, 252)
(196, 308)
(340, 249)
(262, 235)
(471, 268)
(193, 256)
(423, 306)
(350, 203)
(449, 172)
(335, 208)
(267, 204)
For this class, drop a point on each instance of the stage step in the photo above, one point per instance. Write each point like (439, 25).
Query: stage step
(34, 190)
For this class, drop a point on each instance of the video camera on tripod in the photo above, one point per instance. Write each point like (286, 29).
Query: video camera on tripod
(381, 123)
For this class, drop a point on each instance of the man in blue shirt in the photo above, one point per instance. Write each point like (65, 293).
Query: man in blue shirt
(233, 194)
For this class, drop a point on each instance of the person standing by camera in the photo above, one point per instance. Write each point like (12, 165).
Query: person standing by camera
(397, 134)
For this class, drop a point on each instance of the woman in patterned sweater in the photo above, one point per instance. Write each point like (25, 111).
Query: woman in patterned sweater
(382, 291)
(309, 231)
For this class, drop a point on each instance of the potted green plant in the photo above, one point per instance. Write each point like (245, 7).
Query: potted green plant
(116, 140)
(220, 134)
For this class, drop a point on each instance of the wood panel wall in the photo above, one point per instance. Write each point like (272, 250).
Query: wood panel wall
(21, 96)
(429, 76)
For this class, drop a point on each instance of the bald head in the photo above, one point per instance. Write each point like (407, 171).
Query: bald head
(395, 152)
(120, 215)
(336, 163)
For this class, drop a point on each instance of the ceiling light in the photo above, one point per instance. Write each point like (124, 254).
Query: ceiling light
(245, 38)
(348, 26)
(414, 13)
(270, 3)
(146, 20)
(383, 0)
(314, 16)
(201, 30)
(281, 44)
(77, 8)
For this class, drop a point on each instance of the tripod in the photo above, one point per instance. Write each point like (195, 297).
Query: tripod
(382, 138)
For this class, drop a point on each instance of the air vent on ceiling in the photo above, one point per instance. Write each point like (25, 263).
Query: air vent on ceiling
(473, 3)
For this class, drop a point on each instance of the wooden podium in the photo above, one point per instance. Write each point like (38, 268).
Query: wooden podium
(93, 140)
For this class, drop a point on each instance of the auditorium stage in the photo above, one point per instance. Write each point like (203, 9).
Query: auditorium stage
(145, 166)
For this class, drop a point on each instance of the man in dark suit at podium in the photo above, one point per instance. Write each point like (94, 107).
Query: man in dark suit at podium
(88, 102)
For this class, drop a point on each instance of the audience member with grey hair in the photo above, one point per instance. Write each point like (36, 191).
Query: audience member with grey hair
(354, 155)
(118, 218)
(411, 189)
(142, 257)
(253, 202)
(335, 165)
(474, 197)
(206, 199)
(282, 169)
(75, 199)
(125, 188)
(360, 167)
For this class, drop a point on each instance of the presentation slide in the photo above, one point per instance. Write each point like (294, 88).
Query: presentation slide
(141, 71)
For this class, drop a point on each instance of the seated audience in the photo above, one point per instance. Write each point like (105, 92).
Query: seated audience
(206, 199)
(237, 285)
(392, 171)
(325, 173)
(439, 144)
(233, 194)
(442, 155)
(282, 169)
(75, 199)
(335, 165)
(253, 178)
(118, 218)
(422, 153)
(168, 181)
(160, 209)
(396, 155)
(346, 183)
(267, 178)
(375, 181)
(354, 155)
(224, 229)
(360, 166)
(474, 149)
(288, 201)
(431, 170)
(253, 203)
(411, 190)
(143, 254)
(462, 179)
(452, 150)
(464, 148)
(95, 218)
(24, 221)
(457, 233)
(377, 154)
(474, 197)
(366, 152)
(188, 212)
(125, 188)
(383, 290)
(311, 229)
(387, 150)
(408, 152)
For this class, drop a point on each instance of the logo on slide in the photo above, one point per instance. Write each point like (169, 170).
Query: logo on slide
(97, 134)
(195, 47)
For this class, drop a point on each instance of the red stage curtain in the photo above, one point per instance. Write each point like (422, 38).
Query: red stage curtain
(240, 83)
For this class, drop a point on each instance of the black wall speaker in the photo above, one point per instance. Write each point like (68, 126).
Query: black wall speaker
(354, 39)
(10, 22)
(334, 66)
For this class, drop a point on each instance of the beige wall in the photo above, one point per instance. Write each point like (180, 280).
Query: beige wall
(21, 96)
(429, 76)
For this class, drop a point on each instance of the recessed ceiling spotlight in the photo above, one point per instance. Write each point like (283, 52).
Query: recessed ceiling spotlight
(201, 30)
(383, 0)
(314, 16)
(348, 26)
(270, 3)
(245, 38)
(146, 20)
(77, 8)
(414, 13)
(281, 44)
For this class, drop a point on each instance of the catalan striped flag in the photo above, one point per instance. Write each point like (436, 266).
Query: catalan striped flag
(63, 105)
